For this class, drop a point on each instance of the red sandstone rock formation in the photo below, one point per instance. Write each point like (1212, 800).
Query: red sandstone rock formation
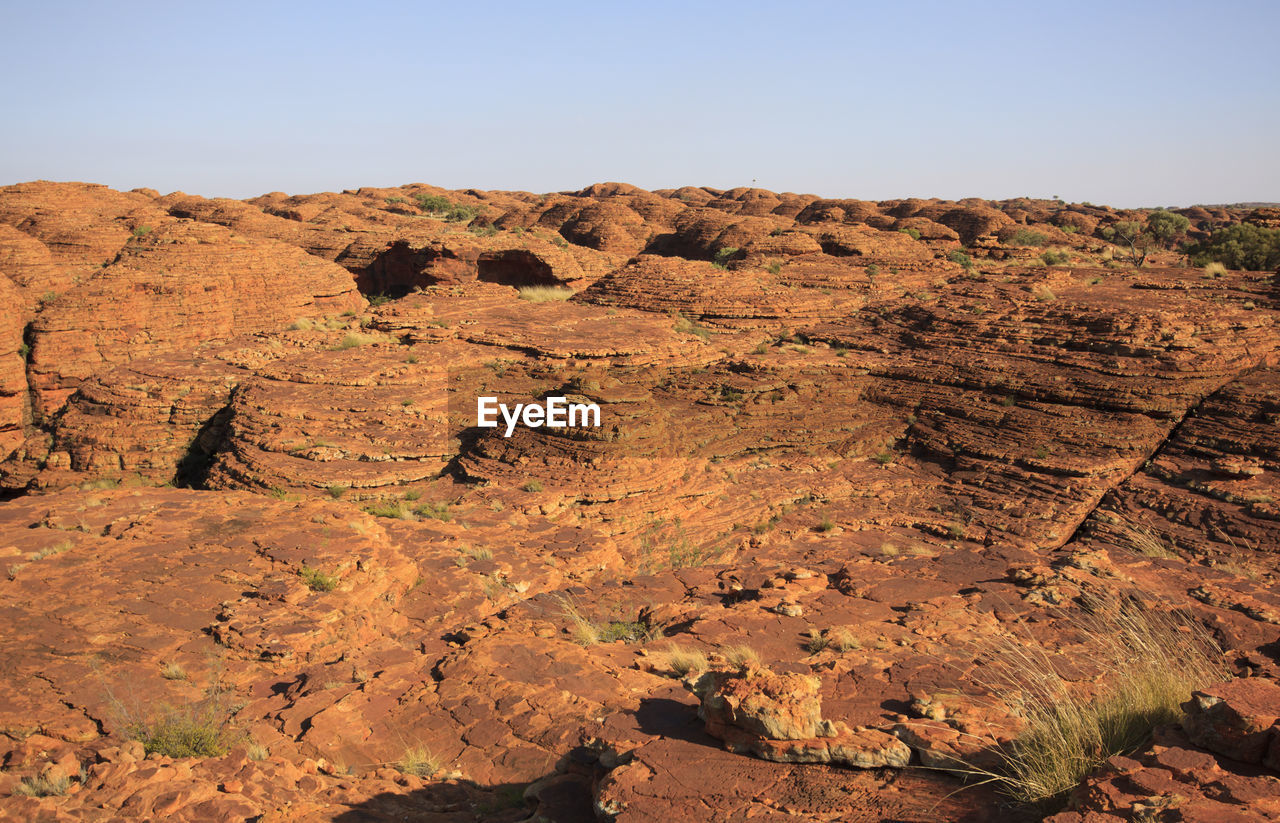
(835, 445)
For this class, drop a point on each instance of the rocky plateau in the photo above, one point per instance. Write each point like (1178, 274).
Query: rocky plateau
(853, 456)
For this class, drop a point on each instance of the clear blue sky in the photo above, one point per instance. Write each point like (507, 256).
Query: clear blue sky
(1126, 103)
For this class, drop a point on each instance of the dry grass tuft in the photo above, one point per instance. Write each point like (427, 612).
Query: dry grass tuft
(545, 294)
(1144, 541)
(842, 639)
(816, 641)
(419, 762)
(740, 656)
(685, 660)
(1151, 659)
(581, 629)
(54, 785)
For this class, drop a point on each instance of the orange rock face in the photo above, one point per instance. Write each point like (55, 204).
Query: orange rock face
(850, 455)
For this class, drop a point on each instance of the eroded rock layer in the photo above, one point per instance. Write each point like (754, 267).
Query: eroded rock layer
(852, 457)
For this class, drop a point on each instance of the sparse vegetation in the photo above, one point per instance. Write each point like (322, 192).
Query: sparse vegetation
(1160, 230)
(141, 231)
(668, 545)
(1243, 246)
(336, 491)
(173, 671)
(774, 268)
(442, 207)
(50, 551)
(842, 639)
(545, 294)
(316, 579)
(1027, 237)
(419, 762)
(1214, 270)
(354, 340)
(1052, 257)
(477, 552)
(914, 234)
(723, 256)
(740, 656)
(686, 326)
(685, 660)
(390, 508)
(960, 257)
(201, 730)
(434, 511)
(1152, 659)
(826, 525)
(532, 486)
(54, 785)
(1143, 540)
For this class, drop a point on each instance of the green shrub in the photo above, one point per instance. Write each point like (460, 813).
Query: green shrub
(317, 580)
(196, 731)
(435, 511)
(914, 234)
(1027, 237)
(960, 257)
(439, 206)
(723, 256)
(532, 486)
(1051, 257)
(774, 268)
(141, 231)
(1243, 247)
(433, 202)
